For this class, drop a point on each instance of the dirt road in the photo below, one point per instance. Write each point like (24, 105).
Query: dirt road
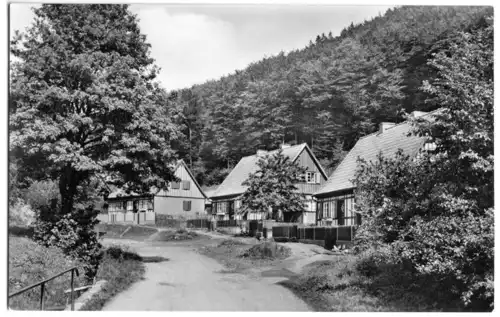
(190, 281)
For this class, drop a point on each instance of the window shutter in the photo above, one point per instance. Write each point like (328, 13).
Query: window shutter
(317, 178)
(189, 205)
(175, 185)
(184, 205)
(186, 185)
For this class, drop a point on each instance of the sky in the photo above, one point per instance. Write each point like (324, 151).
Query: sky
(195, 43)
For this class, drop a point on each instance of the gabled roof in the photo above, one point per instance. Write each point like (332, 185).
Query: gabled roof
(210, 190)
(118, 192)
(232, 184)
(181, 162)
(368, 147)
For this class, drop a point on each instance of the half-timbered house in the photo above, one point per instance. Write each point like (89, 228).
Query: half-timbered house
(226, 201)
(335, 199)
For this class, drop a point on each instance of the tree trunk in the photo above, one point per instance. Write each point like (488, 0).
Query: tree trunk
(68, 183)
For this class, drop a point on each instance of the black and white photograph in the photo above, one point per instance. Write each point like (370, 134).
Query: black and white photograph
(253, 157)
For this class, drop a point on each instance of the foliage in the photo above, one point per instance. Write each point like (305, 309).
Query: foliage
(437, 211)
(84, 109)
(327, 94)
(30, 263)
(21, 214)
(272, 186)
(73, 233)
(42, 194)
(120, 268)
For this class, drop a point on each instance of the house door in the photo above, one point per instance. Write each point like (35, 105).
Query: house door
(341, 211)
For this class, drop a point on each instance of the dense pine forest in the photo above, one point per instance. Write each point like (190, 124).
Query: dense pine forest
(328, 94)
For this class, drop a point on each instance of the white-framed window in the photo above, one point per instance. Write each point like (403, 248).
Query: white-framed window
(312, 178)
(130, 205)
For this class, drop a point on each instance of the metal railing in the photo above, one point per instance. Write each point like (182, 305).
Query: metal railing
(73, 270)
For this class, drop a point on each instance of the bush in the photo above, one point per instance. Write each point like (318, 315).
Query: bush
(21, 214)
(73, 233)
(267, 250)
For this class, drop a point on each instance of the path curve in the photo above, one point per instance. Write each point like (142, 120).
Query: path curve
(190, 281)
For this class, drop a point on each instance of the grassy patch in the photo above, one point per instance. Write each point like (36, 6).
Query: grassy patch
(120, 268)
(238, 256)
(267, 250)
(349, 284)
(115, 231)
(30, 263)
(177, 235)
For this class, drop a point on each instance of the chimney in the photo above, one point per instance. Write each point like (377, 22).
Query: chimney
(384, 126)
(416, 114)
(284, 146)
(261, 153)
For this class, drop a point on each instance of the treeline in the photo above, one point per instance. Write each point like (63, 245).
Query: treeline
(328, 94)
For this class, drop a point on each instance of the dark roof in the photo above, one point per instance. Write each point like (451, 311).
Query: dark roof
(232, 184)
(368, 147)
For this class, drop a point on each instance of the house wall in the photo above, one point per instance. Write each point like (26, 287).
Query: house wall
(305, 160)
(193, 190)
(328, 213)
(173, 206)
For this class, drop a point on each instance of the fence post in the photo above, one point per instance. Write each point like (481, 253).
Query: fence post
(72, 289)
(42, 291)
(314, 233)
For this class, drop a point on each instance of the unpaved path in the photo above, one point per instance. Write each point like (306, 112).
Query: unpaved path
(190, 281)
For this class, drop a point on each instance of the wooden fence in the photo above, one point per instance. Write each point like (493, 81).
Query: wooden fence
(325, 236)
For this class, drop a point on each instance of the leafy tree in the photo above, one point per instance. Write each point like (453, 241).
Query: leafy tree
(272, 189)
(84, 104)
(437, 211)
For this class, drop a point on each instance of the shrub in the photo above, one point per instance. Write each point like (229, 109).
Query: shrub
(73, 233)
(267, 250)
(21, 214)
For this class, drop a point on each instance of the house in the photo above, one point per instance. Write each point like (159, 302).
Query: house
(227, 198)
(183, 199)
(209, 190)
(335, 199)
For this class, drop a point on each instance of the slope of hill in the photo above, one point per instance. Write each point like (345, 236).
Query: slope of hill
(328, 94)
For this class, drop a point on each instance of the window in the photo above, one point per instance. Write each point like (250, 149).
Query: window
(150, 205)
(186, 185)
(186, 205)
(326, 209)
(312, 178)
(130, 205)
(176, 185)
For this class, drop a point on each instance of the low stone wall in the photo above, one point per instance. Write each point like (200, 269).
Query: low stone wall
(85, 297)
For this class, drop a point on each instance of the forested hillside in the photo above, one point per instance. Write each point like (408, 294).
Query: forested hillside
(328, 94)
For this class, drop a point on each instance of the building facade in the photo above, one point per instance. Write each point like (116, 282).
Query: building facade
(336, 199)
(226, 201)
(183, 199)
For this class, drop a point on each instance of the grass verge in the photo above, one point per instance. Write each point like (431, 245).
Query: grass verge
(30, 263)
(343, 285)
(120, 268)
(238, 256)
(115, 231)
(177, 235)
